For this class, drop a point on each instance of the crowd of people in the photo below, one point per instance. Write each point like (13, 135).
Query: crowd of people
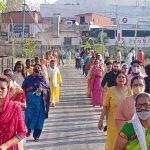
(122, 89)
(26, 94)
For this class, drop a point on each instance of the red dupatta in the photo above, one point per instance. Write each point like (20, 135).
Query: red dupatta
(11, 119)
(8, 108)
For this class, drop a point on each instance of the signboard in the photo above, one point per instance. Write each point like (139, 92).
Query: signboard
(124, 20)
(16, 30)
(131, 41)
(139, 41)
(4, 35)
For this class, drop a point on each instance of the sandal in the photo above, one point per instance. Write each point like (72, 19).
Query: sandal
(28, 134)
(36, 140)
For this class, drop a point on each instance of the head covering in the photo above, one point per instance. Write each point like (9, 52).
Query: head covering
(9, 73)
(9, 107)
(11, 118)
(124, 64)
(6, 99)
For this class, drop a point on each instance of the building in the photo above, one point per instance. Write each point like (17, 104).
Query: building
(17, 25)
(94, 19)
(59, 32)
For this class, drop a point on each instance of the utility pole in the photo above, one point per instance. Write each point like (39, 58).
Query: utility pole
(117, 20)
(135, 37)
(23, 27)
(13, 42)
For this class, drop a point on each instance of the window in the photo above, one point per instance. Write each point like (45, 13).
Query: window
(110, 33)
(67, 41)
(82, 20)
(128, 33)
(143, 33)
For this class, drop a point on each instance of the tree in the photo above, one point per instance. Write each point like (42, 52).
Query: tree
(100, 42)
(2, 5)
(100, 48)
(29, 48)
(101, 37)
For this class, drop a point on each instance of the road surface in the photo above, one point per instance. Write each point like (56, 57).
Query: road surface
(72, 124)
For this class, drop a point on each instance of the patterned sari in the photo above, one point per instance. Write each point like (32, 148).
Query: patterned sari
(128, 133)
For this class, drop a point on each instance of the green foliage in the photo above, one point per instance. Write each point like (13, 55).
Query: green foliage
(29, 48)
(87, 45)
(2, 5)
(119, 48)
(100, 48)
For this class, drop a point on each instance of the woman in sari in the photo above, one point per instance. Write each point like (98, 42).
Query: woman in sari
(37, 96)
(12, 126)
(16, 92)
(126, 108)
(95, 83)
(114, 96)
(89, 67)
(135, 134)
(87, 60)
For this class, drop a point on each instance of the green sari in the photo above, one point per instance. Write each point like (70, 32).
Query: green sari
(128, 132)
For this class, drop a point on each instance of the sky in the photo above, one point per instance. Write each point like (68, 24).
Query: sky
(49, 1)
(127, 2)
(119, 2)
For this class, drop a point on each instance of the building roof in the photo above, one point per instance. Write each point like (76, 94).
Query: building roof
(84, 14)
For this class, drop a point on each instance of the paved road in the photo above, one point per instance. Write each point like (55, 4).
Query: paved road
(72, 125)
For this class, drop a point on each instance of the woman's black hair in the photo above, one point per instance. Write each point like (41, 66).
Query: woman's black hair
(38, 65)
(19, 63)
(136, 78)
(147, 69)
(121, 72)
(135, 62)
(28, 60)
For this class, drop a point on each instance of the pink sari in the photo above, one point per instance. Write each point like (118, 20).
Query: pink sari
(95, 82)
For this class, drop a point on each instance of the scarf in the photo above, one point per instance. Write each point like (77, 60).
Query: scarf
(8, 109)
(140, 131)
(53, 75)
(124, 64)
